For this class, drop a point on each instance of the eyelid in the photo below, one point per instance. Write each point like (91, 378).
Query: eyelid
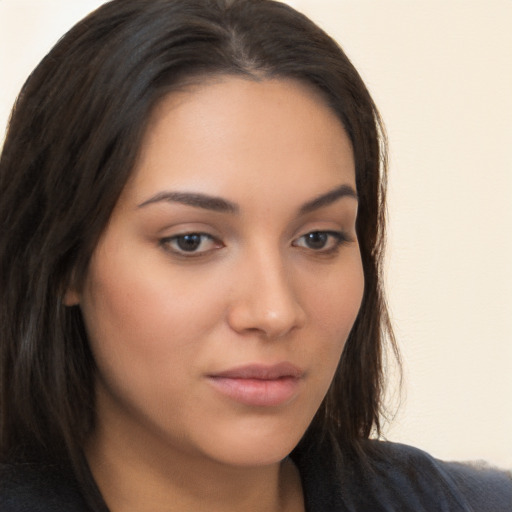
(166, 244)
(340, 238)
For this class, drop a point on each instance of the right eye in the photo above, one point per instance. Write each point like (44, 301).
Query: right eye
(191, 244)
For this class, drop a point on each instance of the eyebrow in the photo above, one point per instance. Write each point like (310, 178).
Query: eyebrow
(197, 200)
(219, 204)
(328, 198)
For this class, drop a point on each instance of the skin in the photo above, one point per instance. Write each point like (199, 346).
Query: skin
(254, 290)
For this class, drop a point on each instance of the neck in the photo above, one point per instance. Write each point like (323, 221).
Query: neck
(143, 476)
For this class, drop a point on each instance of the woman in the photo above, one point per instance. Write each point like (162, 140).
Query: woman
(192, 317)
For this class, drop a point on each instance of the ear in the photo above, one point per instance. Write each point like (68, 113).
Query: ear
(71, 289)
(71, 297)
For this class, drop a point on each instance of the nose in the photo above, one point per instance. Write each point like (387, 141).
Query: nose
(265, 299)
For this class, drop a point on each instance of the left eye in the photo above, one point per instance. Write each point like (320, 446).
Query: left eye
(191, 243)
(321, 240)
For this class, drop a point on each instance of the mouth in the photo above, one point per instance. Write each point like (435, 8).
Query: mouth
(259, 385)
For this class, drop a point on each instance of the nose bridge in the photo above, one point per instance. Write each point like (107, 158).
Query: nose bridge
(265, 300)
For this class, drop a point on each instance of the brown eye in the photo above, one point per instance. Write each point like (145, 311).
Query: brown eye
(193, 244)
(321, 241)
(316, 240)
(189, 243)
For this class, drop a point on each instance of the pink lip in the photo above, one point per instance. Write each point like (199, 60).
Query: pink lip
(259, 385)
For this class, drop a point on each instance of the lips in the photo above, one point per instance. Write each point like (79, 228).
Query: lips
(259, 385)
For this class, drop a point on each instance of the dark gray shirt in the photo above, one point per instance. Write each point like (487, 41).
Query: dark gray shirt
(392, 477)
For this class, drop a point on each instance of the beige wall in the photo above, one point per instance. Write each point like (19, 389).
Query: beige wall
(441, 73)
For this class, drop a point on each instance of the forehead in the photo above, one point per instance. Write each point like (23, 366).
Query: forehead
(239, 132)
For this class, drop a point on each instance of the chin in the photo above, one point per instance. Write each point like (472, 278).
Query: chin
(254, 456)
(254, 448)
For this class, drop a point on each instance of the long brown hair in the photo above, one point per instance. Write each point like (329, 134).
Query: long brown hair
(72, 140)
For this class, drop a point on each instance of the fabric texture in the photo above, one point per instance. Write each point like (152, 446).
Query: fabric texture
(396, 477)
(392, 477)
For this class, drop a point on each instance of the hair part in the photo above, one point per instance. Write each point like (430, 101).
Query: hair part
(72, 142)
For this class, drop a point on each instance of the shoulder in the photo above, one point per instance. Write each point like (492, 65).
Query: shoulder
(392, 476)
(25, 487)
(421, 477)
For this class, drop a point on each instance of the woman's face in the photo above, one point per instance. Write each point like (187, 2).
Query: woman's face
(222, 291)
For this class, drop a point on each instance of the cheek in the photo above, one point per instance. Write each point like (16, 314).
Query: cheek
(146, 337)
(114, 315)
(139, 297)
(334, 300)
(333, 303)
(140, 327)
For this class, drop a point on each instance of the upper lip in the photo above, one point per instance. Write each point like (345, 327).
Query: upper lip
(261, 371)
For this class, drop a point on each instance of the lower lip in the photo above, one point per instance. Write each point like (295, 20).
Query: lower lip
(257, 392)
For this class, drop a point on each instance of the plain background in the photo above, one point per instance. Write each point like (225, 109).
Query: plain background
(441, 73)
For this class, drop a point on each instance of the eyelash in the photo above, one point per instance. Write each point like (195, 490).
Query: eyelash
(338, 238)
(171, 244)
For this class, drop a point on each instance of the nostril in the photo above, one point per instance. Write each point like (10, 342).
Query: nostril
(272, 322)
